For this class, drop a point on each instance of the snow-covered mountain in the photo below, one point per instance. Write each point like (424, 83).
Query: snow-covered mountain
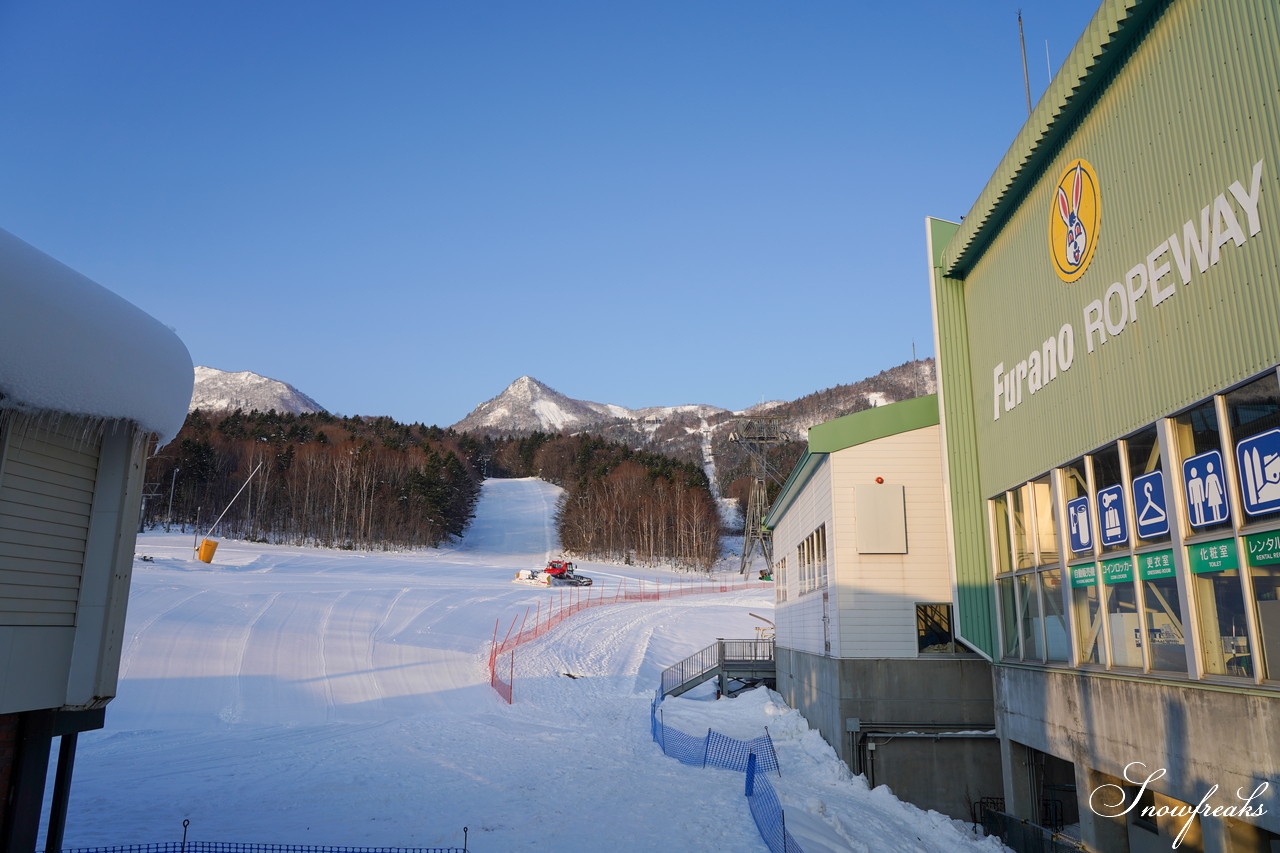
(699, 434)
(527, 405)
(218, 390)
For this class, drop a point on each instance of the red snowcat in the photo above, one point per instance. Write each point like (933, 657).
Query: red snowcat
(556, 573)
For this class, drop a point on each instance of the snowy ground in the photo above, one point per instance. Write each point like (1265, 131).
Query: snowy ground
(293, 695)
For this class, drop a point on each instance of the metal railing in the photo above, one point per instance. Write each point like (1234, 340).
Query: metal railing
(746, 650)
(698, 663)
(713, 657)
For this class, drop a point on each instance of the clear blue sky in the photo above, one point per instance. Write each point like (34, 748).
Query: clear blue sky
(400, 207)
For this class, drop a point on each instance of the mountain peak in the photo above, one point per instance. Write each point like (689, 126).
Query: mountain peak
(527, 405)
(219, 390)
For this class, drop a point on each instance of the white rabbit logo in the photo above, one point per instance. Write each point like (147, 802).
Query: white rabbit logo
(1077, 239)
(1074, 220)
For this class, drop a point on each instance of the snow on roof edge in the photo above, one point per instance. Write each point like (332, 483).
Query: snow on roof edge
(69, 345)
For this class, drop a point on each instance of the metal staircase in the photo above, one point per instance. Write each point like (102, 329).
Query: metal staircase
(738, 664)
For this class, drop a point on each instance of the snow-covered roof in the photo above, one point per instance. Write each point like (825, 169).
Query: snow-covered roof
(69, 345)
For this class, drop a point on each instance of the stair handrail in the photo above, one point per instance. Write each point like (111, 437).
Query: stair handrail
(746, 650)
(691, 667)
(714, 655)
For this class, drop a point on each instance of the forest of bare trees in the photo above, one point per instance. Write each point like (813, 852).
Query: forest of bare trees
(321, 480)
(373, 483)
(620, 504)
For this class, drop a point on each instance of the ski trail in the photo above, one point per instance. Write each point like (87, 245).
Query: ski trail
(548, 527)
(709, 458)
(135, 639)
(331, 701)
(234, 712)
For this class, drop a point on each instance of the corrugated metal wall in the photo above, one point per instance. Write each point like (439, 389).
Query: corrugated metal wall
(969, 542)
(46, 498)
(1194, 106)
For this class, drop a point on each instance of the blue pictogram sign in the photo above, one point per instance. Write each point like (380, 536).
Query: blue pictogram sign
(1259, 458)
(1078, 525)
(1113, 521)
(1206, 489)
(1151, 517)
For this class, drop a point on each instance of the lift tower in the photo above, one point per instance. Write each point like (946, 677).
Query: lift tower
(757, 435)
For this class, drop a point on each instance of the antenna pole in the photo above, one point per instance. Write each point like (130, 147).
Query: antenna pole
(1026, 81)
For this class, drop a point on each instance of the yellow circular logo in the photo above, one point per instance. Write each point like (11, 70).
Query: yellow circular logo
(1074, 220)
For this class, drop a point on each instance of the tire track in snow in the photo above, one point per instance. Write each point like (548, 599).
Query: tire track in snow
(331, 701)
(235, 712)
(135, 639)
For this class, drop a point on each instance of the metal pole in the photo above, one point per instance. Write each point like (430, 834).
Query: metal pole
(168, 518)
(233, 499)
(1026, 82)
(61, 793)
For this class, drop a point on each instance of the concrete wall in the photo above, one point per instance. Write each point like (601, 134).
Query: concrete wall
(955, 693)
(1202, 736)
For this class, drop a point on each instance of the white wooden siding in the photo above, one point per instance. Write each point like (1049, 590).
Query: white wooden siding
(799, 618)
(877, 593)
(47, 482)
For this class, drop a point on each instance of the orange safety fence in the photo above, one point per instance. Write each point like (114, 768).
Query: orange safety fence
(502, 654)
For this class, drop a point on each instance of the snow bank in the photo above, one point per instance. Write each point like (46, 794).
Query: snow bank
(71, 346)
(310, 696)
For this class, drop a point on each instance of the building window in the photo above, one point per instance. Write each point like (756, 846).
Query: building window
(933, 629)
(1224, 627)
(1046, 529)
(1087, 611)
(1008, 617)
(1144, 808)
(780, 580)
(1109, 509)
(1026, 543)
(1112, 514)
(1162, 612)
(812, 557)
(1122, 612)
(1199, 446)
(820, 555)
(1023, 522)
(1253, 411)
(1000, 525)
(806, 567)
(1057, 641)
(1147, 488)
(1029, 620)
(1264, 572)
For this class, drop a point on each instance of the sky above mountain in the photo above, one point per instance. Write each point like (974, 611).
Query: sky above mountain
(402, 207)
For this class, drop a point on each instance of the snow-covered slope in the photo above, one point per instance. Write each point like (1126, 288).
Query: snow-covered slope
(304, 696)
(220, 391)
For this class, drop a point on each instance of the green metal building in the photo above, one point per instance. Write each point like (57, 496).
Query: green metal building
(1107, 322)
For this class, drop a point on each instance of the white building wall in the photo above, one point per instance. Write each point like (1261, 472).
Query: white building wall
(799, 618)
(875, 594)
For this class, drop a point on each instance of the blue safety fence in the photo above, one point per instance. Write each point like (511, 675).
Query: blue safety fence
(753, 757)
(712, 749)
(767, 812)
(186, 846)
